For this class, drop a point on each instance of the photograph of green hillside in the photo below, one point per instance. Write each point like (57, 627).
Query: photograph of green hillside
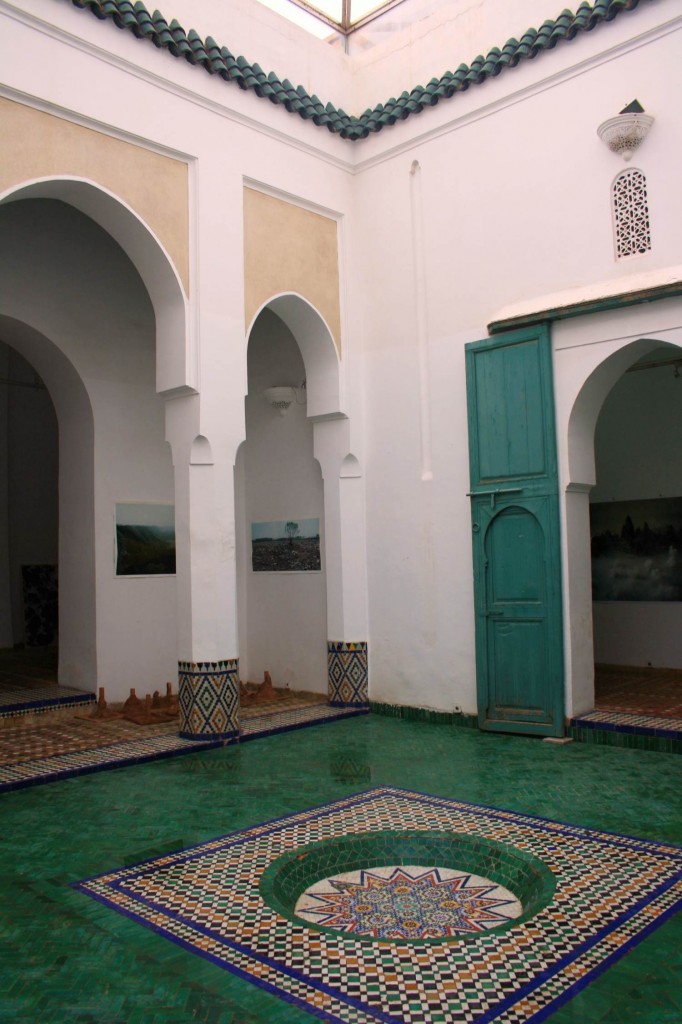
(145, 540)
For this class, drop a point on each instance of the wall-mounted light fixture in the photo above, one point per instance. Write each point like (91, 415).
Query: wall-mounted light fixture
(280, 398)
(625, 132)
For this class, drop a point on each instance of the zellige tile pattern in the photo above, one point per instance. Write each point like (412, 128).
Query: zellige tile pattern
(610, 892)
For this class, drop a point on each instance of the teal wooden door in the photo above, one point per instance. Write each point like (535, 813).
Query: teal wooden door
(516, 539)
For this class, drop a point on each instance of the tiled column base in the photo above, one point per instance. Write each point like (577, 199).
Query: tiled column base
(209, 699)
(347, 674)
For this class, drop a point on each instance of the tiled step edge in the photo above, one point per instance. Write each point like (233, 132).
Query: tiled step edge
(40, 707)
(423, 714)
(618, 734)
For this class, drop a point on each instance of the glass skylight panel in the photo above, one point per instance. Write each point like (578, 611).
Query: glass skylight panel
(361, 8)
(332, 8)
(320, 16)
(310, 22)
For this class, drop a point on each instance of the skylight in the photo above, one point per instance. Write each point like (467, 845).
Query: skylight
(344, 16)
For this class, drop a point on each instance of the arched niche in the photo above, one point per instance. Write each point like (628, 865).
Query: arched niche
(350, 468)
(201, 453)
(320, 355)
(175, 350)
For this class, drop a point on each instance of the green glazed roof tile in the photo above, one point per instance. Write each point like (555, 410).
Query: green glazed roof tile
(217, 60)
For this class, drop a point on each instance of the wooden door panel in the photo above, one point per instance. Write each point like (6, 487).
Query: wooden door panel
(518, 659)
(515, 521)
(514, 552)
(511, 442)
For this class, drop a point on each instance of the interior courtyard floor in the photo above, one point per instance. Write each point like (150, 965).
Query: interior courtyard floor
(69, 957)
(48, 731)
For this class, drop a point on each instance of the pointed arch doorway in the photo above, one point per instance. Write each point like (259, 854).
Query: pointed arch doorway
(616, 430)
(313, 624)
(63, 277)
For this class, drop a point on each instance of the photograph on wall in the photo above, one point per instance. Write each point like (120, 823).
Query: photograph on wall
(637, 550)
(287, 545)
(145, 539)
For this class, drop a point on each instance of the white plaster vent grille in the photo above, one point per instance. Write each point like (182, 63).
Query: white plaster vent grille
(631, 214)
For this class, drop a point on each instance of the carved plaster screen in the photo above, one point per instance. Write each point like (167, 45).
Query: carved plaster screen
(631, 214)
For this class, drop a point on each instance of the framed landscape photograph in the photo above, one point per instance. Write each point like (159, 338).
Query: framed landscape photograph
(145, 539)
(637, 550)
(287, 545)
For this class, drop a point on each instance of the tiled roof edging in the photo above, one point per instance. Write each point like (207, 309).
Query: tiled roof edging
(218, 60)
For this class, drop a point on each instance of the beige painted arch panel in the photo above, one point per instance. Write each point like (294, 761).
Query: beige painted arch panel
(156, 187)
(288, 249)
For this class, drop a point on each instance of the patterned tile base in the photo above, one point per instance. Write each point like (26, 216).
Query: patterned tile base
(209, 699)
(611, 891)
(347, 674)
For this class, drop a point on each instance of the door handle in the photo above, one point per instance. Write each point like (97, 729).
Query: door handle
(495, 493)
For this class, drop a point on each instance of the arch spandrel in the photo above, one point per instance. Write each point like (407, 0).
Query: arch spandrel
(176, 371)
(155, 186)
(288, 249)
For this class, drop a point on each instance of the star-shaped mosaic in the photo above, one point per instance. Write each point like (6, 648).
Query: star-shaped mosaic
(407, 902)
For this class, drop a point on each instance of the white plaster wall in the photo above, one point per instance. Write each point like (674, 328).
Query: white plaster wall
(515, 201)
(637, 455)
(516, 205)
(284, 615)
(65, 278)
(32, 482)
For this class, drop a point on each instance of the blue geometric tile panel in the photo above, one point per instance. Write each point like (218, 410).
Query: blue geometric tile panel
(209, 699)
(347, 674)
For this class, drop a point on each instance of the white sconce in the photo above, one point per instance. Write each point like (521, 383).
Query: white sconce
(280, 398)
(625, 132)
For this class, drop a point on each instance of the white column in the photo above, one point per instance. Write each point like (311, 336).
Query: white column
(346, 564)
(208, 655)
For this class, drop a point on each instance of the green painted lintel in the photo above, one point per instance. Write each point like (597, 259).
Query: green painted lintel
(587, 306)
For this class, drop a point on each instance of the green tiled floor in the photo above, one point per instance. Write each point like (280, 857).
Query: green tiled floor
(65, 959)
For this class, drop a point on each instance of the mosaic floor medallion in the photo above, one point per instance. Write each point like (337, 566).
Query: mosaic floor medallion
(586, 897)
(407, 902)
